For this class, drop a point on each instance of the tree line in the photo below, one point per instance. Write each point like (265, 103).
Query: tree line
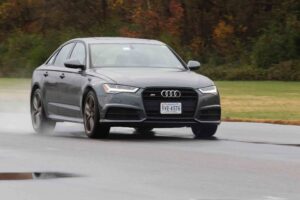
(234, 39)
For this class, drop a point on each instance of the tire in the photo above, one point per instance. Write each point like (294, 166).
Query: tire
(144, 130)
(204, 130)
(40, 122)
(91, 117)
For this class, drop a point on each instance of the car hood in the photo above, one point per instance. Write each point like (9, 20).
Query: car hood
(154, 77)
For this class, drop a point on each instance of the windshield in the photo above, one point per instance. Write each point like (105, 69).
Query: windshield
(133, 55)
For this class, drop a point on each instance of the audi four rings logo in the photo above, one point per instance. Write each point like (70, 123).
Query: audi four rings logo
(170, 93)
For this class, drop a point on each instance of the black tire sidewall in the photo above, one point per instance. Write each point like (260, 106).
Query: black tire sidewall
(204, 130)
(92, 133)
(46, 125)
(143, 129)
(99, 131)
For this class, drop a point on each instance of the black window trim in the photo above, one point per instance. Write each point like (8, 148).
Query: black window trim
(60, 48)
(53, 55)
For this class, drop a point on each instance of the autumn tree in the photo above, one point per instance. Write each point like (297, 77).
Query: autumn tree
(217, 32)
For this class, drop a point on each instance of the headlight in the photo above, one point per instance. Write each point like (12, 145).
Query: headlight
(113, 88)
(209, 90)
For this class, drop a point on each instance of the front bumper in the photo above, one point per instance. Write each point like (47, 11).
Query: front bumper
(131, 110)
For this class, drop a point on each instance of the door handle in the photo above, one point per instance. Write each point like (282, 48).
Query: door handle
(62, 76)
(46, 74)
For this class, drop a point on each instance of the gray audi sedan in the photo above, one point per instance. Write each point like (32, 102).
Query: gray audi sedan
(106, 82)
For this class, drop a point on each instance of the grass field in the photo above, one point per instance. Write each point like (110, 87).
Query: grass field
(14, 95)
(262, 101)
(265, 101)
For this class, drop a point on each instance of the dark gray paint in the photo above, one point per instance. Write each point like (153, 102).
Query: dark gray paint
(63, 88)
(155, 77)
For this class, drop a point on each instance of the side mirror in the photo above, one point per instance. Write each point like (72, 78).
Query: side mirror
(74, 64)
(193, 65)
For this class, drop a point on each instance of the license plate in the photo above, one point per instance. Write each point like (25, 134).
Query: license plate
(170, 108)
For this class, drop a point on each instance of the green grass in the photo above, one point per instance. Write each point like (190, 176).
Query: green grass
(14, 83)
(14, 95)
(241, 100)
(260, 100)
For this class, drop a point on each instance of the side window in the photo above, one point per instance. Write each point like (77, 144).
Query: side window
(50, 62)
(79, 53)
(63, 55)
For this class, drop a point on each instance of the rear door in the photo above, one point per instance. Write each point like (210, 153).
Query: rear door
(49, 85)
(54, 89)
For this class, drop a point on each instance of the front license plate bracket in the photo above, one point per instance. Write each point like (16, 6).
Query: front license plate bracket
(170, 108)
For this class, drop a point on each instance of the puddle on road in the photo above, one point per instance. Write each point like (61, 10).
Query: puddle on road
(34, 175)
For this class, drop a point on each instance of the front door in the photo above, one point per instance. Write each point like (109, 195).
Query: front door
(71, 85)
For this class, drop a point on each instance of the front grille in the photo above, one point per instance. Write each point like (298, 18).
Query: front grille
(122, 114)
(152, 99)
(210, 114)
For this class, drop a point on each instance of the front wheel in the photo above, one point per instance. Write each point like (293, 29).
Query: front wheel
(91, 117)
(204, 130)
(40, 123)
(144, 130)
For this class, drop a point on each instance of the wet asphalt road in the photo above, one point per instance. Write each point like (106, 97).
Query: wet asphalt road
(244, 161)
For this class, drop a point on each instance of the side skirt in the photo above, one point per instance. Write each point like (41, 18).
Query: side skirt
(59, 118)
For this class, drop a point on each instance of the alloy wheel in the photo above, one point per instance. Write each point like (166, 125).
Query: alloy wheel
(89, 114)
(36, 110)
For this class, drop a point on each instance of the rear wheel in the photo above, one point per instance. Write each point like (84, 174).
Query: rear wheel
(91, 117)
(40, 123)
(204, 130)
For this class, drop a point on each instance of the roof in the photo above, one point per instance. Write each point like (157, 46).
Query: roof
(121, 40)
